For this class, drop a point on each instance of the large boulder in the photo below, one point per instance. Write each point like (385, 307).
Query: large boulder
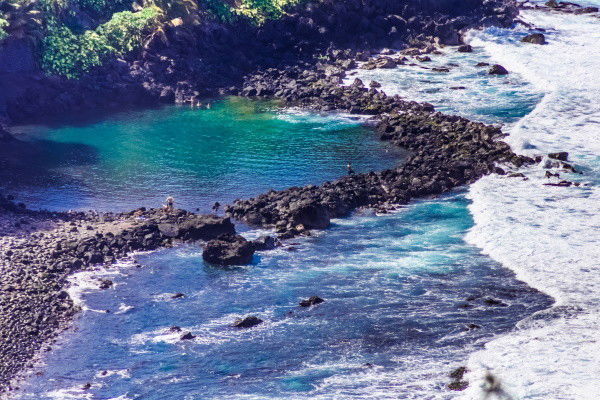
(311, 215)
(229, 250)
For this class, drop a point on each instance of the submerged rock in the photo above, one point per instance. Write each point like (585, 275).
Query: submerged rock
(187, 336)
(247, 322)
(228, 250)
(561, 155)
(106, 284)
(265, 243)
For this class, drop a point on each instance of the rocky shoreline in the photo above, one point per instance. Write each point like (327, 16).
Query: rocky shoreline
(39, 250)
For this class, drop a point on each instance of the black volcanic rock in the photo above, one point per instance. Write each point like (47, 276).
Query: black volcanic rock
(535, 38)
(228, 250)
(247, 322)
(498, 69)
(311, 301)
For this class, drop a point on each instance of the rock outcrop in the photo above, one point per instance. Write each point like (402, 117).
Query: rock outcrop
(228, 250)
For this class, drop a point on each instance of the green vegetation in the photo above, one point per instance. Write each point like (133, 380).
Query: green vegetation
(262, 10)
(67, 54)
(74, 36)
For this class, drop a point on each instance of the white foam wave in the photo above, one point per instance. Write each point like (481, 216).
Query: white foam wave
(548, 235)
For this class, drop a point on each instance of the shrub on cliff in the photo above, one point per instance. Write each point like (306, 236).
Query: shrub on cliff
(262, 10)
(65, 53)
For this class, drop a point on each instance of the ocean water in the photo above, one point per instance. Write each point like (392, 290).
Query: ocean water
(549, 236)
(400, 289)
(394, 322)
(237, 148)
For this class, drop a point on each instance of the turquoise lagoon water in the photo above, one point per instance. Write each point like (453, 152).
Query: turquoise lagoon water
(405, 295)
(237, 148)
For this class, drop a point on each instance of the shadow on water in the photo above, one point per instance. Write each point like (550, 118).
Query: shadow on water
(37, 162)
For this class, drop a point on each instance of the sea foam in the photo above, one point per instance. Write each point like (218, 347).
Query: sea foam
(548, 235)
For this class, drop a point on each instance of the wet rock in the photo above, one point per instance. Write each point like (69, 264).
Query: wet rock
(498, 69)
(562, 156)
(178, 296)
(423, 58)
(247, 322)
(374, 85)
(106, 284)
(560, 184)
(458, 373)
(465, 48)
(482, 64)
(494, 302)
(358, 83)
(311, 215)
(174, 329)
(458, 385)
(228, 250)
(535, 38)
(187, 336)
(198, 227)
(265, 243)
(311, 301)
(380, 62)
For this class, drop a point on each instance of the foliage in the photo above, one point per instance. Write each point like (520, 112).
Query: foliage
(185, 9)
(67, 54)
(262, 10)
(219, 8)
(21, 19)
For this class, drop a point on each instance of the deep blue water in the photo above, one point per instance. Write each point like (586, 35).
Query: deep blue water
(395, 288)
(396, 317)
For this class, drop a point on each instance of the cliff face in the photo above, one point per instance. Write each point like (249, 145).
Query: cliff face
(199, 60)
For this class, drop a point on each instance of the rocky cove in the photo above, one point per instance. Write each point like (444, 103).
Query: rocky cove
(446, 151)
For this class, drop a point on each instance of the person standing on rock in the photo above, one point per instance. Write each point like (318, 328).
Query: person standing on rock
(350, 169)
(169, 204)
(216, 206)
